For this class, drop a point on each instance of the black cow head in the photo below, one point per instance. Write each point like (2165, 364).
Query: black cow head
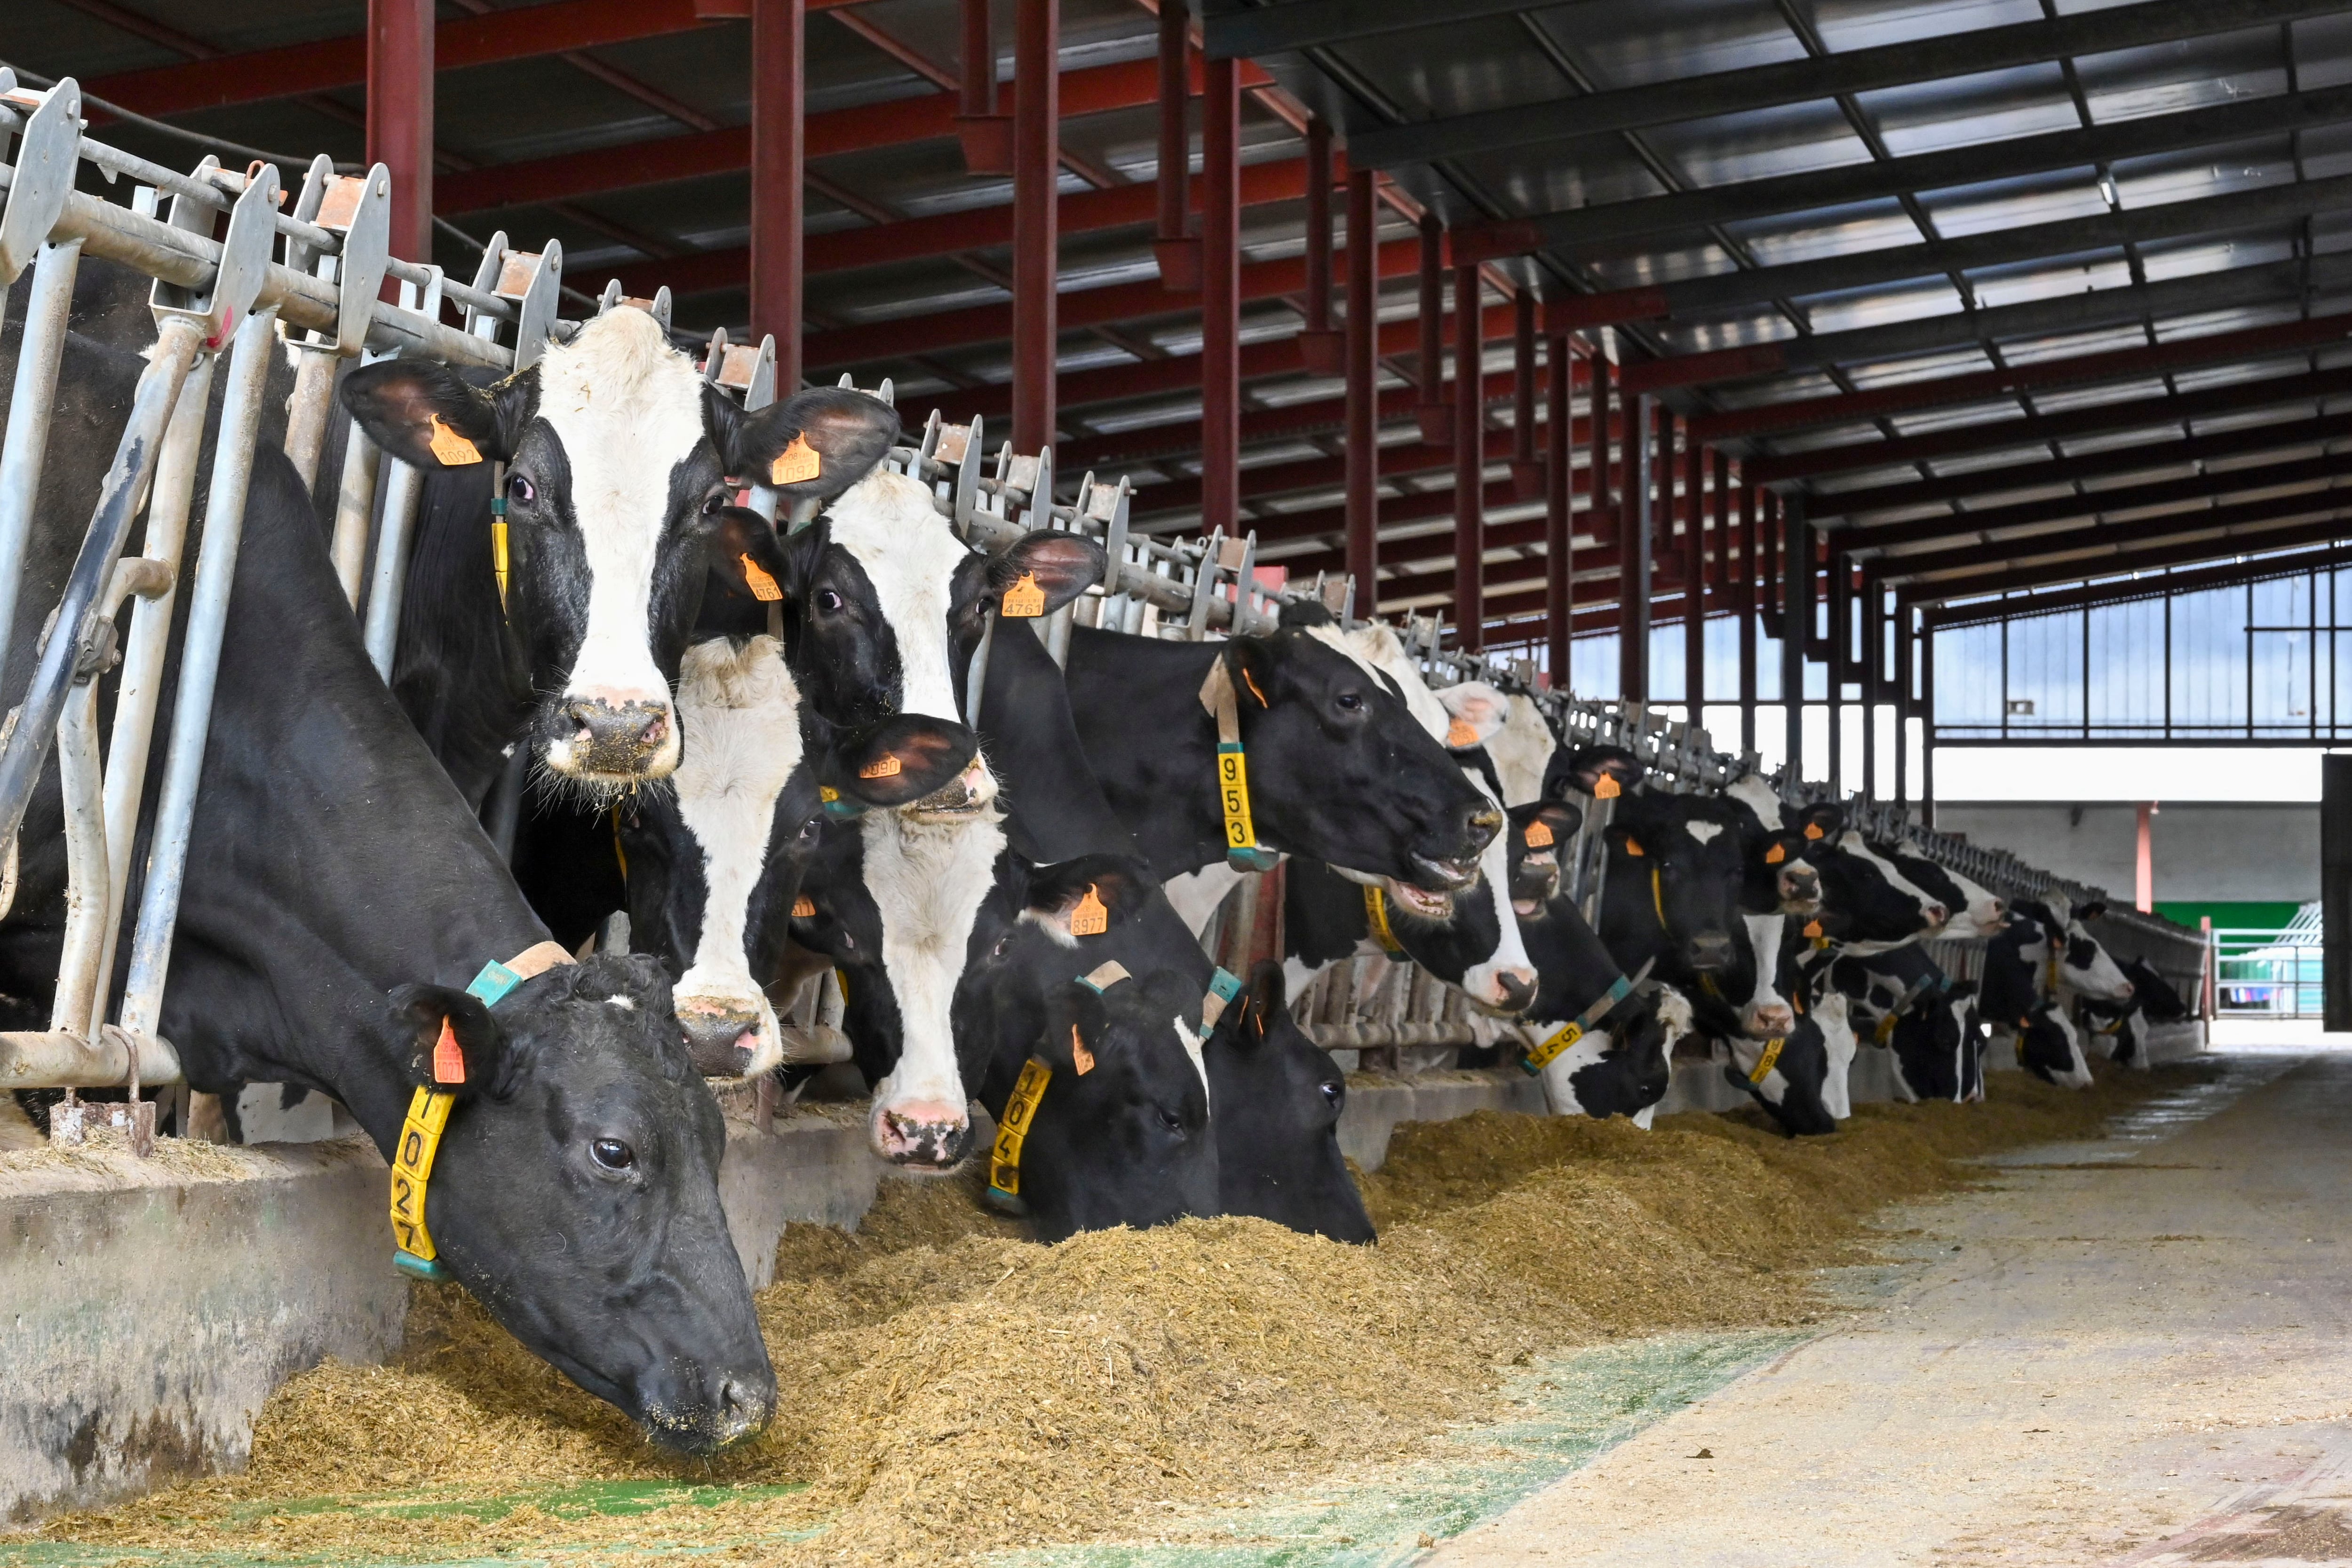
(1680, 857)
(1277, 1098)
(1121, 1136)
(577, 1188)
(616, 457)
(1543, 838)
(1340, 770)
(1582, 770)
(1938, 1043)
(1860, 904)
(2049, 1046)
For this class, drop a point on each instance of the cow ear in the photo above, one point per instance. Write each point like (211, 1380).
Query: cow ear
(1060, 566)
(749, 561)
(454, 1045)
(814, 445)
(430, 417)
(1478, 711)
(2091, 911)
(1118, 886)
(1250, 662)
(901, 760)
(1077, 1030)
(1264, 1004)
(1547, 825)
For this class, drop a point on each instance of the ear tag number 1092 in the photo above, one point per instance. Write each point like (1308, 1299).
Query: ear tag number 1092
(796, 464)
(450, 449)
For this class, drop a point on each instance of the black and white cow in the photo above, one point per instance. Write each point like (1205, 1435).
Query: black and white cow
(1276, 1098)
(615, 457)
(1903, 1001)
(1976, 911)
(1618, 1064)
(2041, 958)
(575, 1192)
(1789, 1074)
(1671, 898)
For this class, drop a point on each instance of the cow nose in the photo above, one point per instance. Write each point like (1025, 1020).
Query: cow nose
(720, 1039)
(925, 1138)
(1478, 831)
(616, 737)
(1937, 913)
(1517, 987)
(1775, 1019)
(1711, 950)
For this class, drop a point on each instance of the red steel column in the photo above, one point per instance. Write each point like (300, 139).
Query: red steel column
(400, 117)
(1177, 252)
(1745, 602)
(1363, 391)
(1559, 528)
(777, 100)
(1469, 463)
(1432, 412)
(1036, 175)
(987, 139)
(1316, 341)
(1221, 296)
(1527, 473)
(1633, 558)
(1693, 574)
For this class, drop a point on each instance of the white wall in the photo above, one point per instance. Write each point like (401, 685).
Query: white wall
(2200, 850)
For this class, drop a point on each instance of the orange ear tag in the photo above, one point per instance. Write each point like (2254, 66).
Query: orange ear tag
(451, 449)
(1812, 928)
(1083, 1059)
(1812, 829)
(804, 907)
(1089, 918)
(763, 587)
(796, 464)
(1632, 846)
(886, 766)
(1460, 735)
(448, 1060)
(1025, 600)
(1606, 788)
(1250, 681)
(1537, 836)
(1776, 854)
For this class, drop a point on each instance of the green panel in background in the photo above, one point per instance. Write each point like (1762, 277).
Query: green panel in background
(2268, 915)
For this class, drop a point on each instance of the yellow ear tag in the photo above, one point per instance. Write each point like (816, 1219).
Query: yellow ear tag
(796, 464)
(1537, 836)
(451, 449)
(1025, 600)
(1089, 918)
(886, 766)
(1632, 846)
(1812, 829)
(1083, 1059)
(763, 587)
(1776, 854)
(804, 907)
(1606, 788)
(448, 1060)
(1460, 734)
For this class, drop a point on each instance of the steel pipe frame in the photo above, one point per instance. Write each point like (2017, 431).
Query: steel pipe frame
(1100, 90)
(2158, 453)
(2076, 370)
(25, 448)
(1581, 230)
(2327, 524)
(2077, 511)
(2040, 430)
(1716, 292)
(1362, 402)
(1469, 463)
(2105, 537)
(1037, 259)
(1221, 297)
(778, 105)
(2063, 315)
(1653, 104)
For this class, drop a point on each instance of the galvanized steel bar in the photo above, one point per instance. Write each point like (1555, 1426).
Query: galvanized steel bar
(35, 394)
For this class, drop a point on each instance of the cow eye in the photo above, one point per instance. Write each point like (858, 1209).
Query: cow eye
(1333, 1094)
(521, 490)
(714, 503)
(613, 1154)
(1348, 702)
(827, 601)
(1172, 1121)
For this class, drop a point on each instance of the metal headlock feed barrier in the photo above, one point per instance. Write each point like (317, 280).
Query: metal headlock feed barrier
(238, 271)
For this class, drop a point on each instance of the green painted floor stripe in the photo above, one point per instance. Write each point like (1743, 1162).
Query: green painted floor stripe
(1575, 1408)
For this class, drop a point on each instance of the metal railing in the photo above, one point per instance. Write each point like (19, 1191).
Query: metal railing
(2265, 973)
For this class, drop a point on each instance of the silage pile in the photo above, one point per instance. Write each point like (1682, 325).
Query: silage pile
(948, 1388)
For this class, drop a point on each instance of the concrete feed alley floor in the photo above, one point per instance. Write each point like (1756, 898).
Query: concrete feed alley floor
(2134, 1355)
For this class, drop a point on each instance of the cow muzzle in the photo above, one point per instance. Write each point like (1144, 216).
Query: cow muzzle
(922, 1137)
(961, 799)
(1800, 891)
(614, 739)
(1710, 951)
(736, 1407)
(1501, 988)
(1419, 901)
(723, 1038)
(1768, 1021)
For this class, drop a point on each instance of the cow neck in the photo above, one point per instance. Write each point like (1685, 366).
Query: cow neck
(1137, 703)
(1054, 806)
(1540, 1053)
(413, 1250)
(331, 859)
